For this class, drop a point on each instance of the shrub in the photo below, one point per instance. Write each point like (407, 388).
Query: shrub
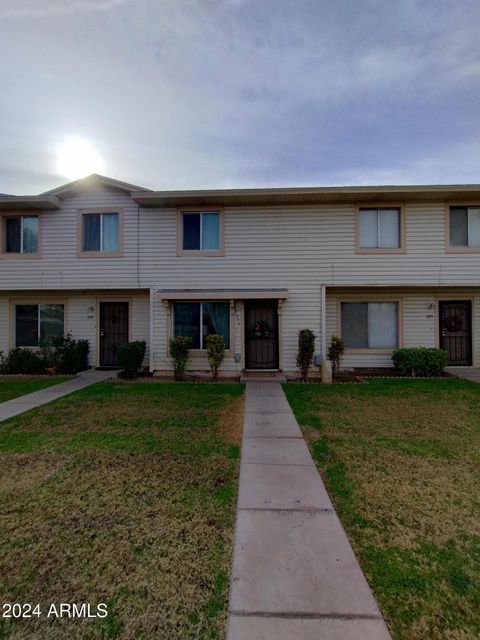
(180, 355)
(306, 349)
(23, 361)
(130, 357)
(420, 362)
(335, 353)
(67, 354)
(216, 353)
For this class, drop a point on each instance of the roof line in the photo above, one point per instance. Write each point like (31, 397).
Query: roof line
(116, 184)
(307, 190)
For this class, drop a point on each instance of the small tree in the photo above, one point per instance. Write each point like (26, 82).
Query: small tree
(306, 349)
(335, 353)
(216, 353)
(180, 355)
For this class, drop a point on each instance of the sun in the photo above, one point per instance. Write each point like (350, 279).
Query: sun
(77, 157)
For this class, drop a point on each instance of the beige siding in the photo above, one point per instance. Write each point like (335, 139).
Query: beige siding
(296, 247)
(81, 315)
(419, 320)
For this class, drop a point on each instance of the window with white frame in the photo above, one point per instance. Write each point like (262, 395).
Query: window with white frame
(464, 226)
(35, 324)
(201, 319)
(379, 228)
(370, 325)
(201, 231)
(101, 232)
(21, 234)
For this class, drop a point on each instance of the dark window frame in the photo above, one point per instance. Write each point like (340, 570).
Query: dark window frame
(397, 303)
(202, 348)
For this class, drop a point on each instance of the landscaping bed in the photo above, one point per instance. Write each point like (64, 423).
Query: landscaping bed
(18, 385)
(401, 462)
(122, 494)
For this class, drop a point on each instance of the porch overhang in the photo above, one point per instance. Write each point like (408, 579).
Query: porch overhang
(29, 203)
(222, 294)
(307, 195)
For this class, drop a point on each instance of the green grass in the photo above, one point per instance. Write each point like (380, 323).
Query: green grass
(122, 493)
(13, 388)
(401, 461)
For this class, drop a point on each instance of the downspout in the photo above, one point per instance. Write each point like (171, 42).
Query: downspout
(323, 316)
(150, 351)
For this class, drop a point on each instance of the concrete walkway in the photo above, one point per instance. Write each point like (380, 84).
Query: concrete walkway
(468, 373)
(14, 407)
(294, 574)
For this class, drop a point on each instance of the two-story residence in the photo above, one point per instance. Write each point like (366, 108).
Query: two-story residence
(108, 261)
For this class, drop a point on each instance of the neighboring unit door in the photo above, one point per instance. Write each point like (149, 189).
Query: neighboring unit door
(261, 334)
(113, 331)
(456, 331)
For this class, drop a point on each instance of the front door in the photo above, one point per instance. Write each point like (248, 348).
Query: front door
(261, 334)
(456, 331)
(113, 331)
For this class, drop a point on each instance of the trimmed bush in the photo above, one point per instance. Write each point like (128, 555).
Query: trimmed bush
(67, 355)
(335, 353)
(420, 362)
(215, 353)
(23, 361)
(130, 357)
(179, 353)
(306, 349)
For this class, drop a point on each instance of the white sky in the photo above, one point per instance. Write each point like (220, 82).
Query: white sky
(221, 93)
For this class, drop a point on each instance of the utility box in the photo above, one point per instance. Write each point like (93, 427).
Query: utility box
(326, 372)
(318, 359)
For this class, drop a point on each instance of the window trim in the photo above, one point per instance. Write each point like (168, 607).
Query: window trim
(200, 353)
(367, 299)
(380, 205)
(99, 254)
(451, 248)
(38, 301)
(199, 252)
(20, 256)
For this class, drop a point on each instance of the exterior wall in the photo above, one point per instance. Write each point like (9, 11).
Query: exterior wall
(299, 248)
(59, 266)
(419, 320)
(81, 315)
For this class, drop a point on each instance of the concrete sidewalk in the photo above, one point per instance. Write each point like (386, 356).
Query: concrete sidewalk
(19, 405)
(468, 373)
(294, 573)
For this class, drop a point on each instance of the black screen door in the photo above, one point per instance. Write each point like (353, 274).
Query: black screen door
(261, 334)
(113, 331)
(456, 331)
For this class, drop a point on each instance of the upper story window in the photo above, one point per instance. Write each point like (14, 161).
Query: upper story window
(21, 235)
(379, 229)
(36, 323)
(201, 232)
(201, 319)
(464, 227)
(370, 325)
(101, 233)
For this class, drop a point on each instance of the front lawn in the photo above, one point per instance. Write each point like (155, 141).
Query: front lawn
(122, 494)
(401, 461)
(14, 387)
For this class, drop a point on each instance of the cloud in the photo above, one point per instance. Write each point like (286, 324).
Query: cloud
(59, 9)
(217, 93)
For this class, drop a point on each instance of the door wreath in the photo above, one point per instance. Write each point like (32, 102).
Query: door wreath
(261, 329)
(453, 323)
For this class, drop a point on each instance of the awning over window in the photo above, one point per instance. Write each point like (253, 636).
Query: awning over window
(222, 294)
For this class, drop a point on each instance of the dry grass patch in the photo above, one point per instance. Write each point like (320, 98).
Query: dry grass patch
(401, 462)
(139, 517)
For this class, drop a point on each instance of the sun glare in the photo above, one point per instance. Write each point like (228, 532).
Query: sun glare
(77, 157)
